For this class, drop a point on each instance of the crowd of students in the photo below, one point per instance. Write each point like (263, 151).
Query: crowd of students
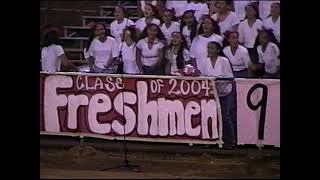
(222, 39)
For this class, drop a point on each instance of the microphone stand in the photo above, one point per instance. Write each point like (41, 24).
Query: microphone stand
(125, 164)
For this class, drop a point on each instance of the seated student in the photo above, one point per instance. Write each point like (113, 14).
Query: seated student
(268, 53)
(103, 51)
(209, 31)
(227, 19)
(199, 9)
(117, 26)
(239, 8)
(248, 30)
(237, 55)
(177, 54)
(168, 26)
(177, 6)
(143, 3)
(52, 53)
(148, 18)
(273, 22)
(189, 26)
(128, 51)
(212, 7)
(150, 51)
(264, 8)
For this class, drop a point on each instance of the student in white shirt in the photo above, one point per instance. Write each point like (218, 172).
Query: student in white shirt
(237, 55)
(209, 31)
(150, 51)
(143, 3)
(103, 51)
(148, 18)
(212, 7)
(217, 65)
(268, 52)
(178, 6)
(264, 8)
(273, 22)
(248, 30)
(220, 67)
(227, 19)
(117, 26)
(239, 8)
(168, 26)
(177, 54)
(52, 53)
(189, 26)
(128, 51)
(199, 8)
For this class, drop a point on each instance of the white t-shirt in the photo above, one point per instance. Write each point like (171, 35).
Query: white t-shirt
(103, 52)
(239, 8)
(247, 34)
(275, 26)
(178, 6)
(174, 27)
(221, 69)
(50, 58)
(231, 20)
(264, 8)
(141, 23)
(199, 8)
(269, 57)
(143, 4)
(199, 48)
(129, 58)
(117, 29)
(150, 57)
(240, 60)
(173, 58)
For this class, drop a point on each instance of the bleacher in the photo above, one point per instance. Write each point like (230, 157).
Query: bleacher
(75, 26)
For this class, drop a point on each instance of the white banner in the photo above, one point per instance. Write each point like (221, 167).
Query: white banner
(258, 111)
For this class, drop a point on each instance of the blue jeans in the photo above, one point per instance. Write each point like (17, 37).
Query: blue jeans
(152, 70)
(268, 75)
(253, 55)
(111, 70)
(241, 74)
(229, 117)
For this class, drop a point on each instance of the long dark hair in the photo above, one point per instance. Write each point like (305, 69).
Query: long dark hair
(218, 46)
(256, 9)
(227, 34)
(124, 10)
(133, 32)
(160, 35)
(92, 34)
(51, 37)
(154, 10)
(221, 52)
(194, 27)
(184, 45)
(216, 27)
(270, 5)
(271, 37)
(173, 17)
